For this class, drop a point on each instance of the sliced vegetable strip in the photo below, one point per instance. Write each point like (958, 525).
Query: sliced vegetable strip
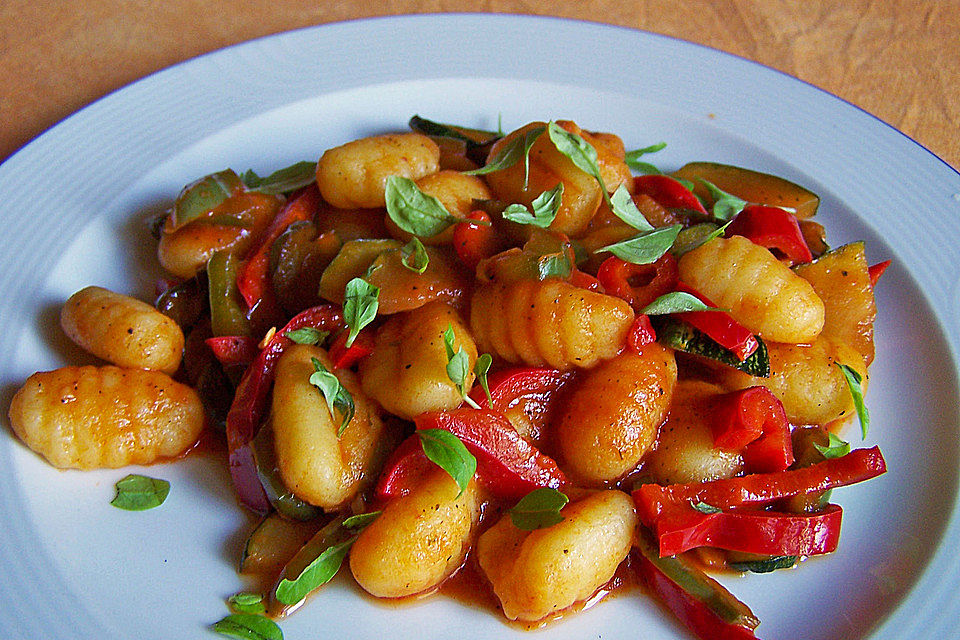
(253, 278)
(720, 326)
(668, 192)
(638, 284)
(696, 599)
(761, 488)
(772, 533)
(250, 400)
(507, 464)
(753, 421)
(773, 228)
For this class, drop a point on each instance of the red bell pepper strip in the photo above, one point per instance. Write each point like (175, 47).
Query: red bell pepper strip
(668, 192)
(773, 228)
(875, 271)
(473, 242)
(641, 333)
(253, 279)
(585, 281)
(233, 350)
(681, 528)
(697, 600)
(759, 489)
(753, 421)
(508, 465)
(507, 386)
(403, 469)
(719, 326)
(638, 284)
(344, 357)
(250, 400)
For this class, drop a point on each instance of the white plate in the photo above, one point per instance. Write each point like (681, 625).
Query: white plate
(71, 566)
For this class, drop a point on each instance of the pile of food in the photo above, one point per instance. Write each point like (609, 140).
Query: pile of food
(532, 357)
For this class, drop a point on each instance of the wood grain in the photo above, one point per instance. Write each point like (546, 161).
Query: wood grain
(896, 59)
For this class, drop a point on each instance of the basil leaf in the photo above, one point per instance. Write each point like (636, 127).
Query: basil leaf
(139, 493)
(361, 520)
(697, 236)
(510, 154)
(336, 395)
(626, 209)
(248, 626)
(307, 335)
(481, 369)
(676, 302)
(633, 161)
(448, 452)
(247, 603)
(836, 447)
(413, 256)
(554, 265)
(703, 507)
(725, 205)
(204, 195)
(543, 209)
(458, 365)
(360, 305)
(414, 211)
(285, 180)
(646, 247)
(538, 509)
(855, 383)
(316, 574)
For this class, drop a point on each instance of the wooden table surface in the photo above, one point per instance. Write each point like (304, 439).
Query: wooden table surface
(897, 59)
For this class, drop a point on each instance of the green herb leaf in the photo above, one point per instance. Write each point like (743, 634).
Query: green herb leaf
(646, 247)
(836, 447)
(414, 211)
(413, 256)
(361, 520)
(697, 236)
(307, 335)
(139, 493)
(204, 195)
(481, 369)
(855, 383)
(703, 507)
(633, 158)
(448, 452)
(510, 154)
(538, 509)
(316, 574)
(725, 205)
(336, 395)
(626, 209)
(578, 150)
(676, 302)
(543, 209)
(247, 603)
(554, 265)
(360, 304)
(285, 180)
(248, 626)
(458, 364)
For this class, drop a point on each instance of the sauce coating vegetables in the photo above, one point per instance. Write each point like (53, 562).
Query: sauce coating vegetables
(501, 353)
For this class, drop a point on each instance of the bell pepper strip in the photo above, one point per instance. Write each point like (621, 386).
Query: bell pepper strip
(585, 281)
(472, 241)
(233, 350)
(668, 192)
(773, 228)
(404, 469)
(638, 284)
(682, 527)
(344, 357)
(253, 278)
(508, 386)
(875, 271)
(697, 600)
(753, 421)
(250, 401)
(719, 326)
(641, 333)
(227, 317)
(760, 489)
(508, 465)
